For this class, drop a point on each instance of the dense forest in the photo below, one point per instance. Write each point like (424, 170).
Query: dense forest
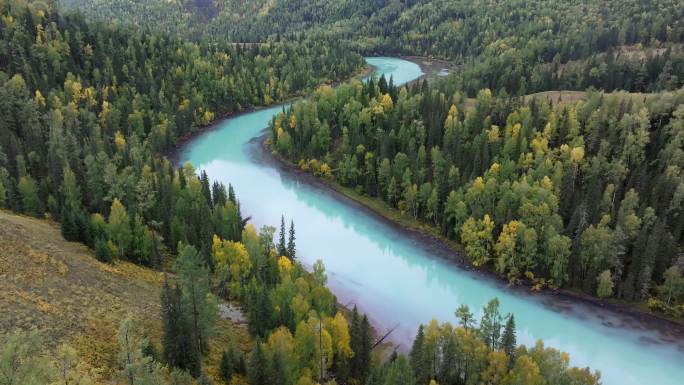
(584, 194)
(517, 46)
(87, 110)
(213, 20)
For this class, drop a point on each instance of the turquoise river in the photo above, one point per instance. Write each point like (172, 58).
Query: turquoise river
(399, 279)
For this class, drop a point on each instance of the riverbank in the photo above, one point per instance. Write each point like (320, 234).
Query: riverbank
(632, 315)
(432, 68)
(174, 154)
(429, 67)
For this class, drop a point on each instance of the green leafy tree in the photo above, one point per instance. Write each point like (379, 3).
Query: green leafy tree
(119, 228)
(136, 368)
(465, 317)
(605, 284)
(490, 324)
(399, 372)
(21, 361)
(673, 287)
(30, 200)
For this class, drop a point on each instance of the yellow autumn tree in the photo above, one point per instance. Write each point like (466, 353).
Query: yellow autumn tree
(493, 134)
(577, 155)
(476, 236)
(251, 241)
(293, 121)
(300, 307)
(497, 367)
(387, 103)
(119, 141)
(207, 117)
(313, 345)
(506, 245)
(282, 342)
(39, 98)
(451, 119)
(326, 171)
(494, 168)
(524, 372)
(284, 266)
(231, 257)
(339, 331)
(540, 144)
(514, 130)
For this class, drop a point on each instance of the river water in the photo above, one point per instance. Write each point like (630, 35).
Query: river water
(398, 279)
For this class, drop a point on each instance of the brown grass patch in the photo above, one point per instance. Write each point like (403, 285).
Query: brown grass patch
(59, 288)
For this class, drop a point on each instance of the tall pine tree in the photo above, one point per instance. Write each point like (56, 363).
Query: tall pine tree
(417, 357)
(282, 247)
(197, 300)
(178, 345)
(508, 340)
(361, 344)
(258, 370)
(291, 248)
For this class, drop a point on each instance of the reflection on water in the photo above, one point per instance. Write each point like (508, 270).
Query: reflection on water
(398, 279)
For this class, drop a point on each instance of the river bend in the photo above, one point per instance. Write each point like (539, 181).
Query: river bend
(398, 279)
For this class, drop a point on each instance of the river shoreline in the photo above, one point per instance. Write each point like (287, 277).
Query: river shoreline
(426, 66)
(446, 249)
(670, 330)
(399, 279)
(173, 155)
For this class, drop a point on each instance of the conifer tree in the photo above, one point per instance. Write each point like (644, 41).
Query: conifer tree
(259, 309)
(178, 345)
(508, 340)
(198, 303)
(360, 343)
(226, 366)
(102, 251)
(218, 193)
(417, 358)
(366, 346)
(282, 246)
(291, 248)
(277, 369)
(206, 191)
(258, 366)
(355, 343)
(231, 194)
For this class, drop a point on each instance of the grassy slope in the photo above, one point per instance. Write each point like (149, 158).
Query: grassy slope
(59, 288)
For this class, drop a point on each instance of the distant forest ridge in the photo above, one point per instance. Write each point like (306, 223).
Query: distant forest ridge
(515, 46)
